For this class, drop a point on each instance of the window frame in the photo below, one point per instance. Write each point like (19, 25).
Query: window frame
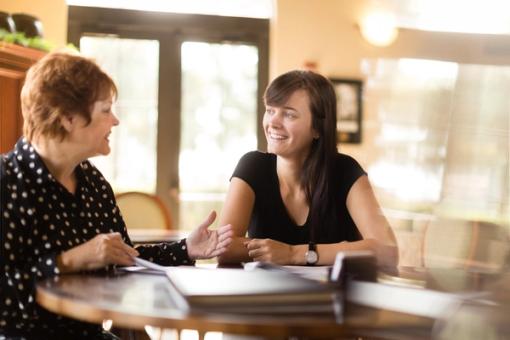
(171, 30)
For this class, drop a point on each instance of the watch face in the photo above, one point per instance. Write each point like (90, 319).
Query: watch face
(311, 257)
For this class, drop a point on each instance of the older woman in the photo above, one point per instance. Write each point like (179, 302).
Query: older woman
(58, 214)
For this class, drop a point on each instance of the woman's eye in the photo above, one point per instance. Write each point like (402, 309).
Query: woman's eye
(289, 114)
(269, 111)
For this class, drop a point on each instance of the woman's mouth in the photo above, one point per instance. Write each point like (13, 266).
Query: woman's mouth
(276, 136)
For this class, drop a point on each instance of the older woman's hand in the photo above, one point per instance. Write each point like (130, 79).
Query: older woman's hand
(203, 243)
(102, 250)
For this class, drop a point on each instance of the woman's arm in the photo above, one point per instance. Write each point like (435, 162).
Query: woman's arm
(268, 250)
(369, 218)
(100, 251)
(237, 211)
(367, 215)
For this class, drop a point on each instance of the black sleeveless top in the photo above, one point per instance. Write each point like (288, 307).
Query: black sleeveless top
(270, 218)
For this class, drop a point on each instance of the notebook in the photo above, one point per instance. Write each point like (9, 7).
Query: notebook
(257, 290)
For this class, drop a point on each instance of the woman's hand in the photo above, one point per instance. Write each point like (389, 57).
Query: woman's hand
(102, 250)
(203, 243)
(268, 250)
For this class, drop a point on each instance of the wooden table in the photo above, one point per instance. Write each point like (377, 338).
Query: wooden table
(134, 300)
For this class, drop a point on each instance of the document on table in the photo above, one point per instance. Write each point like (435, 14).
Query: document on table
(145, 267)
(316, 273)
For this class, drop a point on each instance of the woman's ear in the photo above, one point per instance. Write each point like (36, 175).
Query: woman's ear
(68, 122)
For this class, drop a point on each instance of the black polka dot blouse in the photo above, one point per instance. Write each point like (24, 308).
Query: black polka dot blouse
(39, 220)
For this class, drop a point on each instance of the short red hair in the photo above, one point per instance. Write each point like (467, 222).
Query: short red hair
(60, 85)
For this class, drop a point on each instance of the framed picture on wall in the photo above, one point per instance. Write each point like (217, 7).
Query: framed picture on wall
(349, 109)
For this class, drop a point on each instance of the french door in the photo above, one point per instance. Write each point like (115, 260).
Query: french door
(190, 89)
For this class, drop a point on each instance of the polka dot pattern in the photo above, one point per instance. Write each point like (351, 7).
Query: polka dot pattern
(39, 220)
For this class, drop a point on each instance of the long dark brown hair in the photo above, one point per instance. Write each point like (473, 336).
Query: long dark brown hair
(316, 174)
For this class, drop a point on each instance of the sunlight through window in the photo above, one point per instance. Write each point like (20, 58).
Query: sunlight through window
(134, 66)
(219, 121)
(443, 138)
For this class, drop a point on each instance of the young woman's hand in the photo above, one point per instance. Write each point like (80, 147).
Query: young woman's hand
(267, 250)
(102, 250)
(203, 243)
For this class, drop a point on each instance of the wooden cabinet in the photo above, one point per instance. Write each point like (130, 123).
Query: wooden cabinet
(14, 63)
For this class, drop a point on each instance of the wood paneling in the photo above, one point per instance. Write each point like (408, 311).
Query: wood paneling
(14, 62)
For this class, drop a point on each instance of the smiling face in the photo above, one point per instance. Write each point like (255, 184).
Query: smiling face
(288, 128)
(93, 139)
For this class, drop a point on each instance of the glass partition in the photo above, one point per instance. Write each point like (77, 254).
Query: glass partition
(443, 144)
(442, 168)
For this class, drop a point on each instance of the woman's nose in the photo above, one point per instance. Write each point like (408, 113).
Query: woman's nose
(276, 118)
(115, 120)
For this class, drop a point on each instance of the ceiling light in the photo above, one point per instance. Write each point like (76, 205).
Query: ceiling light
(379, 28)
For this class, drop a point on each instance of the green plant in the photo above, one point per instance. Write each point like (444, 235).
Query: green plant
(19, 38)
(71, 46)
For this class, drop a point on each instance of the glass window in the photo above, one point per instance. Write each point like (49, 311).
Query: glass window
(218, 121)
(444, 140)
(134, 66)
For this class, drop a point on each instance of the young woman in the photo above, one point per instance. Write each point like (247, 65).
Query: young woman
(57, 212)
(302, 201)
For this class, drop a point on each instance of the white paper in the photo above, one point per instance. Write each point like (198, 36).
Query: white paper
(317, 273)
(146, 267)
(148, 264)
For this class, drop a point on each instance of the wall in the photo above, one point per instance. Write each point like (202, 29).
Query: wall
(326, 32)
(52, 13)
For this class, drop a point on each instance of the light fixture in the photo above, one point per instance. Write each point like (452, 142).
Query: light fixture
(379, 28)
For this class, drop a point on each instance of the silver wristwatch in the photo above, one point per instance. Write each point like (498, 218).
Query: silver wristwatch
(311, 256)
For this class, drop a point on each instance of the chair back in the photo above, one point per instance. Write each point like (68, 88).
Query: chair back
(143, 211)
